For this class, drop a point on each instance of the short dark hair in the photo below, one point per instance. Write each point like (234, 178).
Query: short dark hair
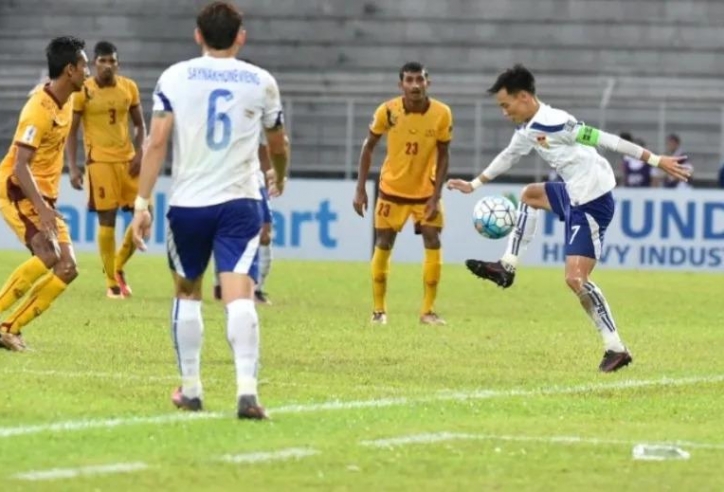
(219, 23)
(413, 67)
(626, 136)
(61, 52)
(514, 80)
(674, 137)
(104, 48)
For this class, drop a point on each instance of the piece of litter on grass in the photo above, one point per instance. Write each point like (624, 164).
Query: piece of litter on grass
(659, 452)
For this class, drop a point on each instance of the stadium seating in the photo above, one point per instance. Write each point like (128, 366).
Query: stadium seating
(661, 57)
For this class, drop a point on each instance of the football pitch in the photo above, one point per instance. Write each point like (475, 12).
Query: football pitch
(507, 396)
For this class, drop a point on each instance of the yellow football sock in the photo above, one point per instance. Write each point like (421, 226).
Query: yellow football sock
(20, 281)
(380, 269)
(40, 297)
(431, 269)
(125, 251)
(107, 246)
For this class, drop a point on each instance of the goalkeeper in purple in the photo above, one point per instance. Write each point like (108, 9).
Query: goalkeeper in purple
(583, 200)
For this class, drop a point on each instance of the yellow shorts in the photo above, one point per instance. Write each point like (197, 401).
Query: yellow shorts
(110, 186)
(392, 215)
(22, 218)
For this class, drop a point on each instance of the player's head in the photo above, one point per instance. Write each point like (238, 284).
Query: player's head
(219, 27)
(414, 81)
(67, 60)
(105, 58)
(626, 136)
(514, 90)
(672, 143)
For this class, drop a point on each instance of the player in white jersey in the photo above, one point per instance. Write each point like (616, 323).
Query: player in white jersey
(214, 106)
(583, 200)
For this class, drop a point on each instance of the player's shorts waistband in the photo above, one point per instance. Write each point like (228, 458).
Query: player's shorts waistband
(402, 199)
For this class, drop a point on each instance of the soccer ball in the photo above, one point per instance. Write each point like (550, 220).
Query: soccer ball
(494, 217)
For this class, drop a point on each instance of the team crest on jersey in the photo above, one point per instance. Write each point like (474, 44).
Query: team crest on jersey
(543, 141)
(430, 132)
(29, 135)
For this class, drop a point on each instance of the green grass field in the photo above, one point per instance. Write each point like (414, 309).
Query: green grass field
(505, 397)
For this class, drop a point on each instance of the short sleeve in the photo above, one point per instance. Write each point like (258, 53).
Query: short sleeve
(161, 100)
(381, 120)
(135, 94)
(79, 99)
(272, 115)
(34, 124)
(445, 126)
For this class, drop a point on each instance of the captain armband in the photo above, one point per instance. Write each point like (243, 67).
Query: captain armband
(588, 135)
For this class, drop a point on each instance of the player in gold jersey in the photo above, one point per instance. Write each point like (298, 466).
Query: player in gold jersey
(419, 131)
(29, 183)
(113, 159)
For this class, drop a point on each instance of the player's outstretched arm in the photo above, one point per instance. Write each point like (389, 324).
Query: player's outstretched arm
(671, 165)
(153, 158)
(360, 201)
(517, 148)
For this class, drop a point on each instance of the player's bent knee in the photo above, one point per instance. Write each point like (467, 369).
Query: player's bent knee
(575, 281)
(66, 270)
(534, 195)
(44, 250)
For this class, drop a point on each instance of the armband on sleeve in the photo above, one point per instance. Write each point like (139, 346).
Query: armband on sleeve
(588, 135)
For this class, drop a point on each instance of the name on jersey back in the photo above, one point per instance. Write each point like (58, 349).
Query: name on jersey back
(211, 75)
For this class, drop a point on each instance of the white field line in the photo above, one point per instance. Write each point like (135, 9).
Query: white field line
(60, 473)
(81, 425)
(436, 437)
(261, 456)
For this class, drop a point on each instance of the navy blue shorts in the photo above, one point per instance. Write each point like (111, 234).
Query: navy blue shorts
(266, 214)
(230, 230)
(585, 224)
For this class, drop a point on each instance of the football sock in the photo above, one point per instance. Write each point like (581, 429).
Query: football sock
(523, 234)
(598, 309)
(380, 270)
(39, 298)
(20, 281)
(242, 332)
(107, 247)
(126, 250)
(187, 332)
(265, 261)
(431, 269)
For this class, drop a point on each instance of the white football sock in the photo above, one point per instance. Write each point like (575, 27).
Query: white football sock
(187, 332)
(523, 234)
(265, 262)
(598, 309)
(242, 332)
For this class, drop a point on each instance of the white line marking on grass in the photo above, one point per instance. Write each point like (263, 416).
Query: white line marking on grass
(447, 395)
(432, 438)
(260, 456)
(60, 473)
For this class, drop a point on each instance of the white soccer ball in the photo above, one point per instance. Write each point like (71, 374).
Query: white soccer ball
(494, 217)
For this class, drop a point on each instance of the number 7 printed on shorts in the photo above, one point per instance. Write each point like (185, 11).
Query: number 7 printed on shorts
(575, 230)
